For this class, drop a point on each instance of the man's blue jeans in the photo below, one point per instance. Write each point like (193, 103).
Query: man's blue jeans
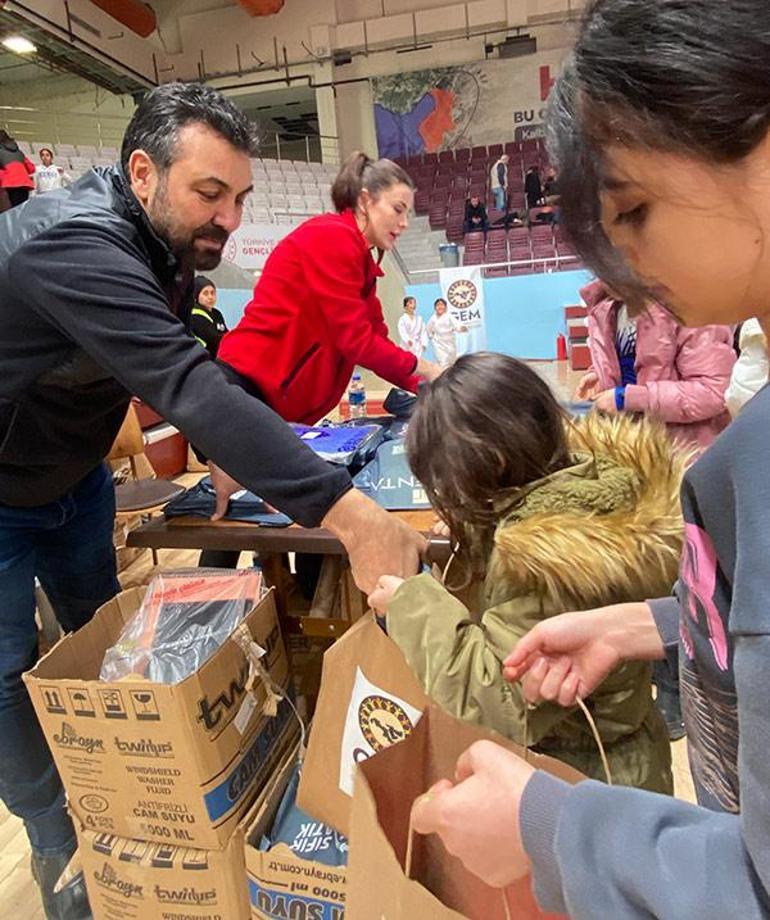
(68, 546)
(499, 194)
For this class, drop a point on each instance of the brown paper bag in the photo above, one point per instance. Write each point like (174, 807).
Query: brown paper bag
(370, 698)
(439, 886)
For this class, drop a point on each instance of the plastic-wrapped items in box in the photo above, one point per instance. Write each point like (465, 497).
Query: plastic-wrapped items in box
(184, 618)
(305, 837)
(340, 444)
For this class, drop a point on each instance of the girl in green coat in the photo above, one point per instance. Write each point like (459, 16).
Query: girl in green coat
(547, 516)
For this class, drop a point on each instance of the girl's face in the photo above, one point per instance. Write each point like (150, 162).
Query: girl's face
(694, 232)
(440, 308)
(45, 157)
(384, 219)
(410, 307)
(208, 297)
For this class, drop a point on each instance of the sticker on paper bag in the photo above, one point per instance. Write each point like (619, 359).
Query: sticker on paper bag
(374, 721)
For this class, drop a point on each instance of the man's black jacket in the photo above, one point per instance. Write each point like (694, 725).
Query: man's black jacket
(93, 307)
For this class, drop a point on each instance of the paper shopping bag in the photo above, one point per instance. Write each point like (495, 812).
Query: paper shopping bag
(439, 887)
(369, 699)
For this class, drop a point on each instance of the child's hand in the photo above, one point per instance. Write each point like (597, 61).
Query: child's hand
(587, 388)
(380, 598)
(605, 402)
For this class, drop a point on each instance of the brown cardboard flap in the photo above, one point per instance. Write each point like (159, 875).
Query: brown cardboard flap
(364, 650)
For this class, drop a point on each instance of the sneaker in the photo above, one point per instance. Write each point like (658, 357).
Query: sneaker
(671, 710)
(71, 903)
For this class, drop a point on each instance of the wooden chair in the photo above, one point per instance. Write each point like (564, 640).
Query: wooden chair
(141, 495)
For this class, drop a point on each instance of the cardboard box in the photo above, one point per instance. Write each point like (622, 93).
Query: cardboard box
(280, 883)
(166, 763)
(135, 880)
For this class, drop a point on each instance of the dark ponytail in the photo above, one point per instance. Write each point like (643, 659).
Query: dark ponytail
(688, 77)
(361, 172)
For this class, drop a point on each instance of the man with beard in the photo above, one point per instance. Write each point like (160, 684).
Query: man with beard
(95, 294)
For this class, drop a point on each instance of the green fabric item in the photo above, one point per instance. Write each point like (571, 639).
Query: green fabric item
(458, 656)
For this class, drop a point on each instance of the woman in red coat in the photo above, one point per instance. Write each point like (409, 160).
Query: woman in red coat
(315, 314)
(15, 170)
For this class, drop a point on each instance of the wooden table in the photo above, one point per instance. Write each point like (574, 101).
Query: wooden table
(272, 543)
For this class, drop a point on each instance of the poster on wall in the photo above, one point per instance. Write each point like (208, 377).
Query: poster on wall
(486, 102)
(251, 244)
(461, 327)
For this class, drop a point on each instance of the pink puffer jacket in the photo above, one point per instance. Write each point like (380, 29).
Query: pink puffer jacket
(682, 373)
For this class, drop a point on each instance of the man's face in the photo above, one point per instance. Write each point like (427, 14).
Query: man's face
(198, 202)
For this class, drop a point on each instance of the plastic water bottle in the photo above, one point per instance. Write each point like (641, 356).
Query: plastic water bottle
(357, 397)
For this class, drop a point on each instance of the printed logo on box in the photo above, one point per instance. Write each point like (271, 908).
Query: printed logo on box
(222, 799)
(211, 712)
(185, 895)
(108, 878)
(144, 747)
(375, 720)
(69, 737)
(279, 904)
(93, 803)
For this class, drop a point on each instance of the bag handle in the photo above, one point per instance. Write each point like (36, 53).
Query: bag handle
(591, 724)
(528, 706)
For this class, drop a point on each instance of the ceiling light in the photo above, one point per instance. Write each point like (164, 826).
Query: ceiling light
(18, 44)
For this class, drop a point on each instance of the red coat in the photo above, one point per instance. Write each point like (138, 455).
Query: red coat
(17, 174)
(314, 316)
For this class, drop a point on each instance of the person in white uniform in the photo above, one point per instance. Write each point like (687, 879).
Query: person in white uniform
(442, 331)
(411, 329)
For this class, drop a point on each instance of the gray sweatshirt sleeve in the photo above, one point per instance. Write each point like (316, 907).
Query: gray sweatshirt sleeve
(665, 612)
(600, 851)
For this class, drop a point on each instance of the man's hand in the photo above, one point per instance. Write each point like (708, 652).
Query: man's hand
(225, 486)
(477, 818)
(586, 388)
(377, 543)
(379, 600)
(605, 402)
(569, 655)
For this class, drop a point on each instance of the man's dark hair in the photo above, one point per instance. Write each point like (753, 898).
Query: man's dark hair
(159, 117)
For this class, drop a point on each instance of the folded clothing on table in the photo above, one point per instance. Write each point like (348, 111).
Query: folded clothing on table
(200, 501)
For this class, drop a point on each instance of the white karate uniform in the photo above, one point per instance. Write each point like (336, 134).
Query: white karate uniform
(442, 331)
(413, 335)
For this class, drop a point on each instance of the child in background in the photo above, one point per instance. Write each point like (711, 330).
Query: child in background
(442, 332)
(206, 322)
(411, 329)
(553, 517)
(652, 364)
(48, 176)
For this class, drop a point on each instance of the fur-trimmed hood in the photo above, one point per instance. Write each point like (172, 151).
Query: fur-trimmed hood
(609, 524)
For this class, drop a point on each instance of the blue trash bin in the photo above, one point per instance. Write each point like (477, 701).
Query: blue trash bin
(450, 255)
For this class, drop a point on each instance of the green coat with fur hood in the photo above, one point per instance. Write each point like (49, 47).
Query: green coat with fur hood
(605, 530)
